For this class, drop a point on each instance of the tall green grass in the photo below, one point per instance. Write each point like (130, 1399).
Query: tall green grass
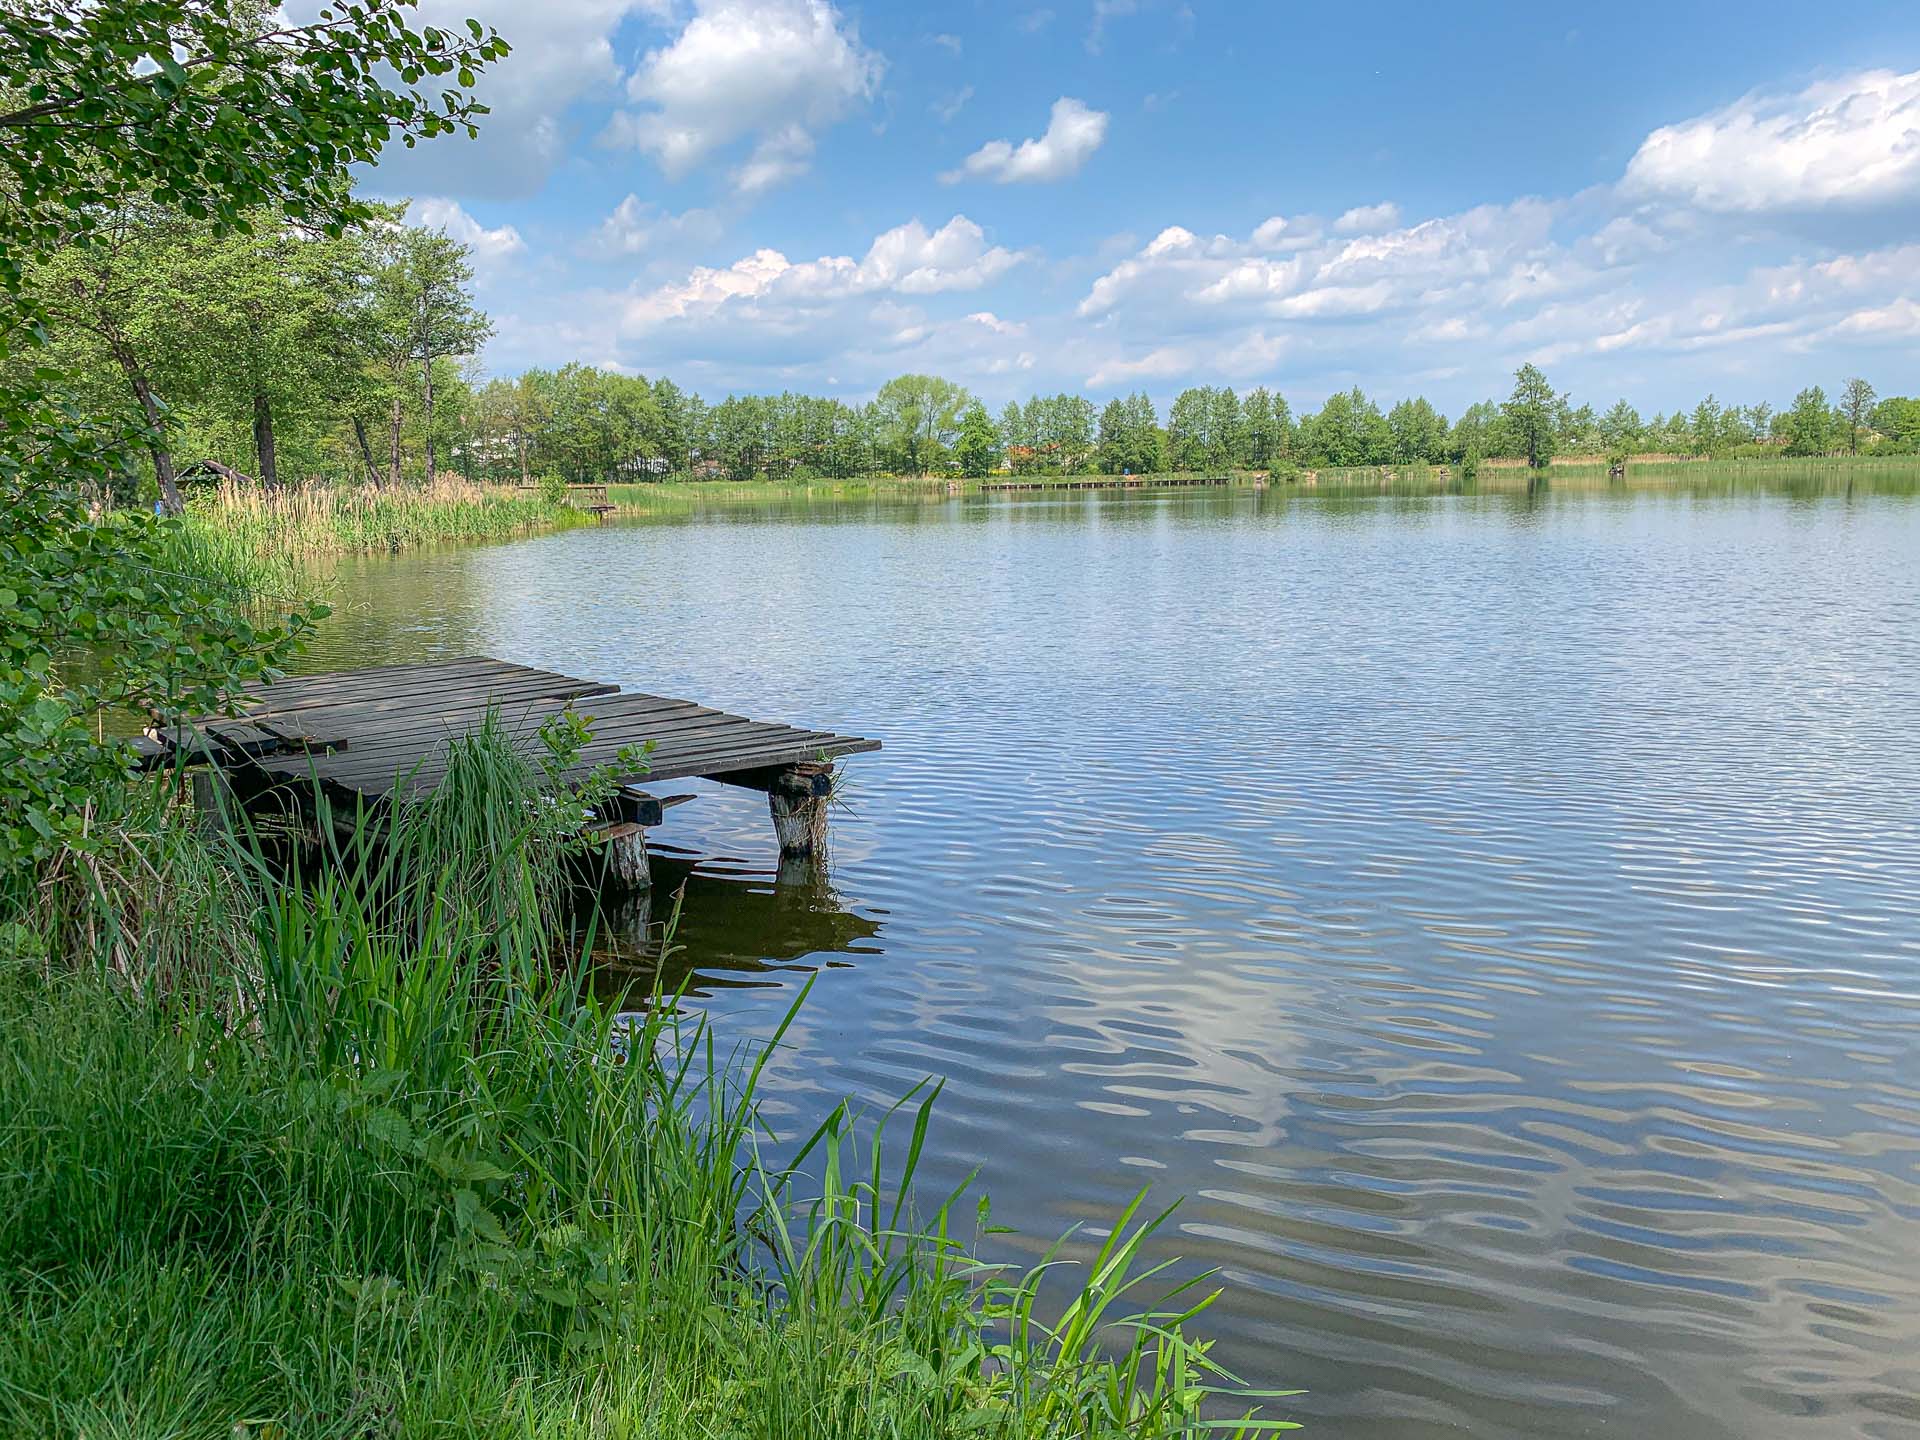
(378, 1165)
(263, 541)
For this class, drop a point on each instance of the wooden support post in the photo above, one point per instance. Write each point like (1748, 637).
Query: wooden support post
(798, 799)
(627, 856)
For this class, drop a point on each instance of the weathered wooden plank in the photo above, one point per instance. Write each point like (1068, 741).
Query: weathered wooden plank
(384, 753)
(394, 717)
(682, 751)
(714, 755)
(527, 717)
(388, 678)
(453, 688)
(374, 759)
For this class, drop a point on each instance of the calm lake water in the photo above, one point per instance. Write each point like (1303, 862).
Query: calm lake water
(1497, 916)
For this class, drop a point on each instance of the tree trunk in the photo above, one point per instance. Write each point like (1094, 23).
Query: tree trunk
(156, 441)
(426, 382)
(366, 450)
(263, 441)
(520, 443)
(393, 446)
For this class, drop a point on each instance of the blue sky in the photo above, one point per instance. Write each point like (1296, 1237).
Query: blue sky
(1104, 195)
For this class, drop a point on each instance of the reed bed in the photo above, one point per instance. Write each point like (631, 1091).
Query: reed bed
(378, 1165)
(260, 539)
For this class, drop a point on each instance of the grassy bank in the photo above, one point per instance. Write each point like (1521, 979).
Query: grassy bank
(261, 540)
(342, 1152)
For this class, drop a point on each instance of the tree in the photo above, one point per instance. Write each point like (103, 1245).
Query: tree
(1129, 439)
(1419, 432)
(1897, 419)
(1856, 403)
(110, 302)
(1187, 429)
(918, 414)
(1530, 413)
(1809, 424)
(978, 448)
(1225, 436)
(1066, 435)
(1257, 428)
(213, 109)
(1620, 430)
(267, 339)
(425, 310)
(1348, 430)
(1708, 428)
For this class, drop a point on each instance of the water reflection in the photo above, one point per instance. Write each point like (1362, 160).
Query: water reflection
(709, 925)
(1498, 912)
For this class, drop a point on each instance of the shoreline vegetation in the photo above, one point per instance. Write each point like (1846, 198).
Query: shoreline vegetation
(264, 544)
(334, 1146)
(339, 1143)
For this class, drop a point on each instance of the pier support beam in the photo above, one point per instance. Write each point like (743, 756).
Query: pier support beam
(627, 856)
(798, 798)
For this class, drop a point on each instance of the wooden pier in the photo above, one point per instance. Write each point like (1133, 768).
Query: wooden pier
(370, 736)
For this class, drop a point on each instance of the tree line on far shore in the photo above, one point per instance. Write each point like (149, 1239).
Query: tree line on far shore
(278, 353)
(585, 424)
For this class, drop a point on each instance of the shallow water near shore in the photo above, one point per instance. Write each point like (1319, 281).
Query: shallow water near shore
(1497, 914)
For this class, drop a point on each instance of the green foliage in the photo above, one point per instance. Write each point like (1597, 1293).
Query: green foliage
(377, 1167)
(1856, 407)
(1348, 430)
(99, 625)
(1130, 440)
(1530, 413)
(1809, 425)
(1419, 432)
(212, 108)
(978, 447)
(1897, 420)
(553, 490)
(916, 417)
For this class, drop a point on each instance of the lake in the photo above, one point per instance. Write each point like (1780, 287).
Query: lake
(1498, 916)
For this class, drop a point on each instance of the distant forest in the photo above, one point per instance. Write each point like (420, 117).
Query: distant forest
(583, 423)
(276, 355)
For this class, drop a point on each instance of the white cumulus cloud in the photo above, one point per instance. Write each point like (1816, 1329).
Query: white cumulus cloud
(775, 71)
(1853, 141)
(1074, 132)
(567, 57)
(435, 213)
(1365, 219)
(906, 260)
(637, 227)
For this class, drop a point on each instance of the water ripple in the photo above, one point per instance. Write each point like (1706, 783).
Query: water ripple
(1498, 916)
